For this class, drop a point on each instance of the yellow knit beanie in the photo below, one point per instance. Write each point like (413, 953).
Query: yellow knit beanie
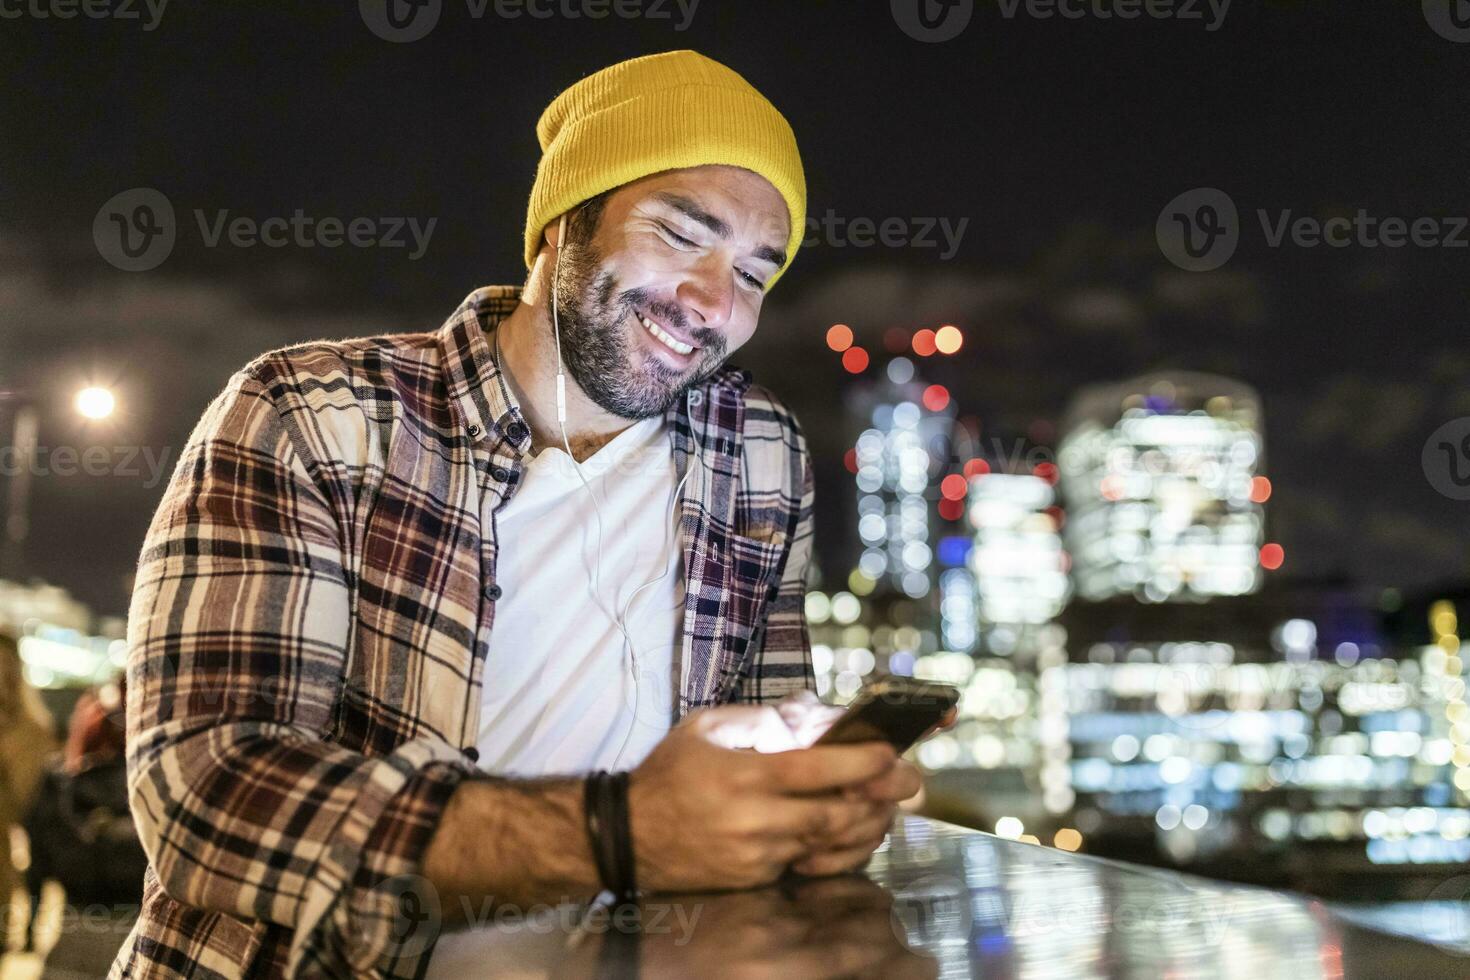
(655, 113)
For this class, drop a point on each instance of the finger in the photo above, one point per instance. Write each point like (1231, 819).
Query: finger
(869, 830)
(745, 726)
(829, 767)
(900, 783)
(815, 823)
(836, 862)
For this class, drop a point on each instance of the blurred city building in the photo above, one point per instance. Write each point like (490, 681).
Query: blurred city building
(65, 648)
(1141, 675)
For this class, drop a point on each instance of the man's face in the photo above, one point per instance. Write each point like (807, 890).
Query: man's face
(667, 284)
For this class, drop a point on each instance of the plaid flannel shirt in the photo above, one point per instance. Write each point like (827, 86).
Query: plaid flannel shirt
(312, 611)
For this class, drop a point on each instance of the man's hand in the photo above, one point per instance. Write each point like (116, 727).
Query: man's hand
(807, 718)
(706, 814)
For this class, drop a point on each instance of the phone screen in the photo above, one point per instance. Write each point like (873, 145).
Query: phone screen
(898, 711)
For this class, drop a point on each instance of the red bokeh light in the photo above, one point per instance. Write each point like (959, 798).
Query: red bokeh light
(951, 510)
(1272, 555)
(976, 467)
(954, 487)
(839, 336)
(936, 397)
(849, 460)
(1047, 471)
(1260, 490)
(924, 342)
(855, 360)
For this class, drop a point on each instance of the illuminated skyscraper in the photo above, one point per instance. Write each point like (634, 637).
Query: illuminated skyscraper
(899, 458)
(1161, 478)
(1019, 565)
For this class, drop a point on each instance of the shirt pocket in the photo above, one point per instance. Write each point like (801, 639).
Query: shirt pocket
(750, 571)
(762, 527)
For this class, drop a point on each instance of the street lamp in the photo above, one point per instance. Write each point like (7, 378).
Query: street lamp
(95, 403)
(92, 403)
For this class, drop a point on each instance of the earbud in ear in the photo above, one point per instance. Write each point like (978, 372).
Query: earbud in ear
(561, 232)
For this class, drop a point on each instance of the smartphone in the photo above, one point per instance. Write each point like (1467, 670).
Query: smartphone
(896, 710)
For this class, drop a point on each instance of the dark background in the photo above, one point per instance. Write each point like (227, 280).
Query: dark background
(1060, 141)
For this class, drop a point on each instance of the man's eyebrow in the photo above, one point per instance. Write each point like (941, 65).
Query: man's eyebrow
(694, 212)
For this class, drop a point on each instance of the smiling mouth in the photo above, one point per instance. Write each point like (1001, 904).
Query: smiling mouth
(664, 337)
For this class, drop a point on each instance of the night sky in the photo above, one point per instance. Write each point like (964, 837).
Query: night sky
(1057, 142)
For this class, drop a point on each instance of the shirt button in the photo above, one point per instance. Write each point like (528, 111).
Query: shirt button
(472, 754)
(515, 432)
(474, 431)
(492, 592)
(500, 473)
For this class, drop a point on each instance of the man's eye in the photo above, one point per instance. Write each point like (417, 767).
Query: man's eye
(752, 280)
(679, 239)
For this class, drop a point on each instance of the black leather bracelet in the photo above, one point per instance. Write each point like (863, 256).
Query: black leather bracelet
(623, 835)
(611, 838)
(605, 801)
(597, 830)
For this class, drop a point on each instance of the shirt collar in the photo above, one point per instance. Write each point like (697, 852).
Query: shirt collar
(484, 401)
(477, 389)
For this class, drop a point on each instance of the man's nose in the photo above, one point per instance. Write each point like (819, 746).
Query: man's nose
(709, 294)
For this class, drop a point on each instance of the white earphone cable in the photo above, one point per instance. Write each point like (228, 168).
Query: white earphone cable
(561, 418)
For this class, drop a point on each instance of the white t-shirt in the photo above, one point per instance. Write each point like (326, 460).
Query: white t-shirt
(557, 695)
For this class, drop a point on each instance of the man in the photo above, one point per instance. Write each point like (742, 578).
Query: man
(373, 567)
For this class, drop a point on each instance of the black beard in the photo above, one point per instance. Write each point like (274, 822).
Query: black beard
(596, 348)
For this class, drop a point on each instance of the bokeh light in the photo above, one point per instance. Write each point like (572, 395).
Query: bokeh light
(839, 336)
(95, 403)
(947, 339)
